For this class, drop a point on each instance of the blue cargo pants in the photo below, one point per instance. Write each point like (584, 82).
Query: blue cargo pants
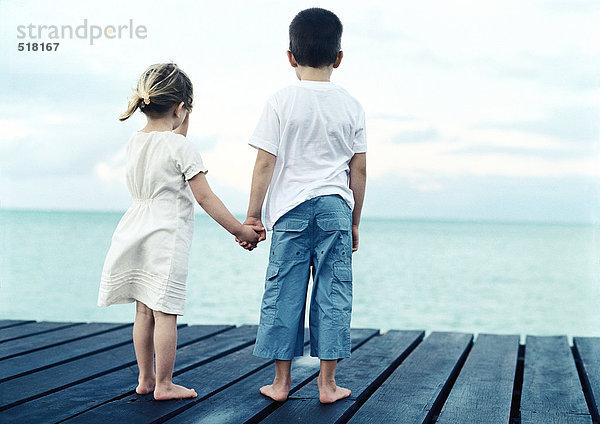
(314, 237)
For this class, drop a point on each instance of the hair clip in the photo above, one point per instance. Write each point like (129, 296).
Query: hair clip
(146, 97)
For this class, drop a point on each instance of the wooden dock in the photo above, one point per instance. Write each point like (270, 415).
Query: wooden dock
(53, 372)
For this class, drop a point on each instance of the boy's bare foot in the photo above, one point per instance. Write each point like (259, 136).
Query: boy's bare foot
(145, 386)
(173, 391)
(329, 392)
(278, 391)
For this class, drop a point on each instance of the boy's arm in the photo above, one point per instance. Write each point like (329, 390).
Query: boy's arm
(261, 178)
(217, 211)
(358, 181)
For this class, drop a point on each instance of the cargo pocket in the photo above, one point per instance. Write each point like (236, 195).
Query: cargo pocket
(336, 233)
(337, 223)
(290, 241)
(269, 301)
(341, 294)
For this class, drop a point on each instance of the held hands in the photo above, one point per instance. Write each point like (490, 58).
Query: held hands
(253, 233)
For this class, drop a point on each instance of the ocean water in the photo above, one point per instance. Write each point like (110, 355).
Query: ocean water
(454, 276)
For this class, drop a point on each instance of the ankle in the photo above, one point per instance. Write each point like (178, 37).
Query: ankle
(326, 381)
(164, 383)
(282, 380)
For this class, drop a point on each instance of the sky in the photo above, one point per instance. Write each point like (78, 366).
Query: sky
(475, 110)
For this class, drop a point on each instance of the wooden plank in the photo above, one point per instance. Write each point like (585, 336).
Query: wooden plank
(587, 351)
(46, 381)
(28, 363)
(81, 397)
(551, 392)
(32, 329)
(239, 402)
(5, 323)
(362, 373)
(415, 389)
(54, 338)
(483, 390)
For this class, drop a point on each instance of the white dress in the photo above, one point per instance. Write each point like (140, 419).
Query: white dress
(148, 256)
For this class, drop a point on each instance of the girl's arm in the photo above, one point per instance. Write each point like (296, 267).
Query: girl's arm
(358, 181)
(217, 211)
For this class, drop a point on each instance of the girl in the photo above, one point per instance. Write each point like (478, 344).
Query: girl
(148, 257)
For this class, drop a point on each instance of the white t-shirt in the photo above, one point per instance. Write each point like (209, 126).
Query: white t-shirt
(314, 128)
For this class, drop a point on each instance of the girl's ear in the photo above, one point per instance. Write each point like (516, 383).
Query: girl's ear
(178, 109)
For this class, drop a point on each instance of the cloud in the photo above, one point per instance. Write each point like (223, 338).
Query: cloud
(545, 199)
(457, 95)
(390, 117)
(13, 129)
(570, 6)
(579, 124)
(112, 169)
(415, 135)
(554, 153)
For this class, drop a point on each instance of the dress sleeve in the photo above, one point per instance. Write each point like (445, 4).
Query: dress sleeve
(266, 134)
(187, 158)
(360, 135)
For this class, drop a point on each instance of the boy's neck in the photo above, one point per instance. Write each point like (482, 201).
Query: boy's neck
(307, 73)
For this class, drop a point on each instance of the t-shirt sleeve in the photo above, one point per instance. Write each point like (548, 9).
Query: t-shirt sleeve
(187, 158)
(360, 135)
(266, 134)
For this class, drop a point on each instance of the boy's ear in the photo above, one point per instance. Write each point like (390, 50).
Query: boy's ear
(178, 109)
(292, 59)
(338, 59)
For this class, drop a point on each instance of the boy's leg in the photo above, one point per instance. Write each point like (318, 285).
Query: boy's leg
(143, 335)
(331, 300)
(165, 344)
(282, 382)
(281, 330)
(329, 392)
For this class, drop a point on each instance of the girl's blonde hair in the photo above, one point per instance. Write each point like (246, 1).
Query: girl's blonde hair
(159, 88)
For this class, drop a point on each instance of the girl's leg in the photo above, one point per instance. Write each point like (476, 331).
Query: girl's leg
(280, 388)
(165, 344)
(329, 392)
(143, 333)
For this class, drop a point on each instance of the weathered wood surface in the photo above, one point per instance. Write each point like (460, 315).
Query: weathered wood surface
(64, 335)
(552, 391)
(483, 390)
(32, 329)
(363, 372)
(86, 373)
(49, 380)
(12, 323)
(587, 350)
(416, 388)
(29, 362)
(242, 401)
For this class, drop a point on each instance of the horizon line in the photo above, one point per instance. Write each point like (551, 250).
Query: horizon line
(368, 217)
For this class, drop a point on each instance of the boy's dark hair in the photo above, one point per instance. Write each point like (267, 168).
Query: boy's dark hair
(315, 37)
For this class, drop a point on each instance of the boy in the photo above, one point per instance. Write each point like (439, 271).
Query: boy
(312, 154)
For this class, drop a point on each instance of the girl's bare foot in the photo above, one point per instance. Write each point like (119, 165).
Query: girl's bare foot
(278, 391)
(145, 386)
(329, 392)
(173, 391)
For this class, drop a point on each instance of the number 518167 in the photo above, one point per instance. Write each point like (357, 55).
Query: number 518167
(34, 47)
